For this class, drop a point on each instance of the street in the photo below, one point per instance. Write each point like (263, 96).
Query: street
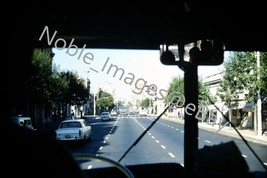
(162, 143)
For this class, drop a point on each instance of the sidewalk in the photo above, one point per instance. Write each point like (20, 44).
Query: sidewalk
(248, 134)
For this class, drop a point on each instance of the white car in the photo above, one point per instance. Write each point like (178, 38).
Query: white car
(113, 113)
(75, 129)
(105, 116)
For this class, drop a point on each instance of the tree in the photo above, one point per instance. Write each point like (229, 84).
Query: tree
(204, 96)
(240, 76)
(176, 89)
(44, 86)
(263, 74)
(77, 91)
(244, 80)
(105, 101)
(39, 77)
(59, 86)
(146, 103)
(47, 88)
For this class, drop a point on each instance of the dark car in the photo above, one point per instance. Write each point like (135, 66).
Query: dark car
(23, 121)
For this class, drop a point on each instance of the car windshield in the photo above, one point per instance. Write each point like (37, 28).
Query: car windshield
(159, 93)
(114, 83)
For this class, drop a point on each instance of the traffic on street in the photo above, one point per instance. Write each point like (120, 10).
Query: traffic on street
(113, 138)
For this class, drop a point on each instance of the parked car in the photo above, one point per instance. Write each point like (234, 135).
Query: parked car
(75, 129)
(105, 116)
(23, 121)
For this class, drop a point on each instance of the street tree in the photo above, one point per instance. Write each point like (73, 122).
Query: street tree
(39, 77)
(105, 101)
(241, 77)
(44, 86)
(146, 103)
(245, 79)
(77, 91)
(176, 89)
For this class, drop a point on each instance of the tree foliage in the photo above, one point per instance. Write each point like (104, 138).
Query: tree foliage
(40, 84)
(240, 77)
(263, 74)
(204, 96)
(176, 89)
(76, 92)
(146, 103)
(45, 85)
(105, 101)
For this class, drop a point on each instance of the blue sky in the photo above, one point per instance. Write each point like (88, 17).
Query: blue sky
(140, 65)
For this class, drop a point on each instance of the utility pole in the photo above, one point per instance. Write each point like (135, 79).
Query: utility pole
(94, 104)
(89, 96)
(259, 116)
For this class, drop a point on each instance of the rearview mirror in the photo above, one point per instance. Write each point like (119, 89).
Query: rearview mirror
(204, 52)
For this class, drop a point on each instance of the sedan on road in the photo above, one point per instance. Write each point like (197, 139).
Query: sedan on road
(105, 116)
(75, 129)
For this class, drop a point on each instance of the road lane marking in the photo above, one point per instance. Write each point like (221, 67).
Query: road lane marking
(172, 155)
(207, 141)
(162, 146)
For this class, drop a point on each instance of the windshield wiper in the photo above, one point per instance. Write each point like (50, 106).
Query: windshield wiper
(141, 136)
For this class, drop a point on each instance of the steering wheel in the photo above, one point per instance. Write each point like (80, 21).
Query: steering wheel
(89, 157)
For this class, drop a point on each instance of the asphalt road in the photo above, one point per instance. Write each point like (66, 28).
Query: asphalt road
(162, 143)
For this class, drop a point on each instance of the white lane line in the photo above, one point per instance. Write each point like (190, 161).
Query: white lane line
(157, 141)
(207, 141)
(162, 146)
(172, 155)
